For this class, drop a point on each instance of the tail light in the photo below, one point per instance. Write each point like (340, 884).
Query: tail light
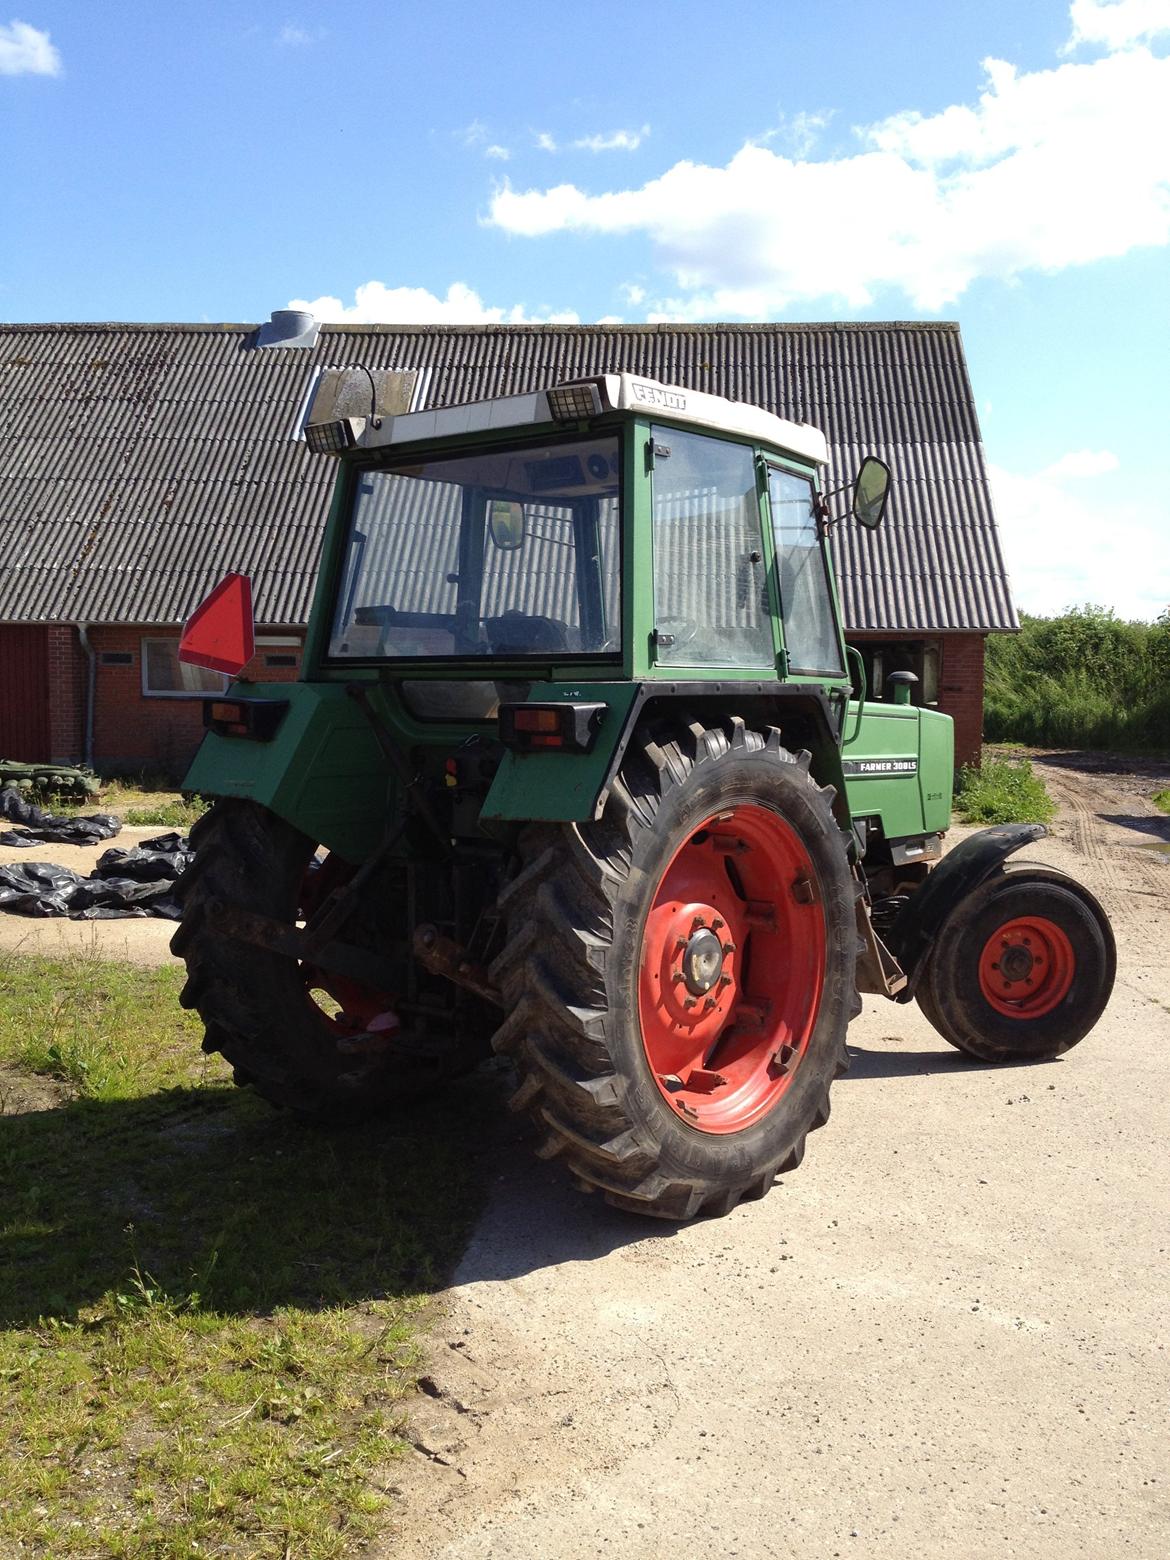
(256, 719)
(531, 727)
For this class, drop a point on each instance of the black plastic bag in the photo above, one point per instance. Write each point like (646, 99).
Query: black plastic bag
(41, 828)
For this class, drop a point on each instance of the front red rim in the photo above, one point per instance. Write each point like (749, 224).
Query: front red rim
(732, 969)
(1026, 967)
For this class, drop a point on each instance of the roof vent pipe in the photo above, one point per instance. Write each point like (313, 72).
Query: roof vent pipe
(288, 328)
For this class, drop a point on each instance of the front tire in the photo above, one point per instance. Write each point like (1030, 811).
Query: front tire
(1022, 969)
(680, 974)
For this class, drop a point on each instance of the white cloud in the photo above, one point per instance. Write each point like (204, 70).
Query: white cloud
(293, 37)
(1045, 170)
(1082, 463)
(26, 51)
(1117, 23)
(545, 142)
(500, 153)
(1064, 548)
(633, 294)
(375, 304)
(798, 133)
(615, 141)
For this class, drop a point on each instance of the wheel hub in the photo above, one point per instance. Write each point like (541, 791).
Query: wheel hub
(1015, 963)
(702, 962)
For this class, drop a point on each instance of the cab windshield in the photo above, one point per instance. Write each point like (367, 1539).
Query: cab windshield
(504, 552)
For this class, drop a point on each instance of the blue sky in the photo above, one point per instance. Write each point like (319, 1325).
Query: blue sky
(1004, 165)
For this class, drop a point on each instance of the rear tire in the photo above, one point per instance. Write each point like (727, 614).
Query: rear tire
(676, 1021)
(1022, 969)
(270, 1015)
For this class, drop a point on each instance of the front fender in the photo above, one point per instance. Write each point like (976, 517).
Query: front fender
(958, 874)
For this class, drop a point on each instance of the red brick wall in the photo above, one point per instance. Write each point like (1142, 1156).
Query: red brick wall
(137, 731)
(961, 692)
(67, 674)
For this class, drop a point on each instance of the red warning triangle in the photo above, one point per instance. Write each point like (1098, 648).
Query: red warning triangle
(221, 634)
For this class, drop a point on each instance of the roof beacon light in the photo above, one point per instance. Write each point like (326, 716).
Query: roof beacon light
(331, 438)
(220, 634)
(570, 403)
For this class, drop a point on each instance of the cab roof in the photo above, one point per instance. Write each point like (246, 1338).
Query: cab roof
(570, 402)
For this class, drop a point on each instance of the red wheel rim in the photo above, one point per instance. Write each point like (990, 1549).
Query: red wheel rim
(1026, 967)
(732, 968)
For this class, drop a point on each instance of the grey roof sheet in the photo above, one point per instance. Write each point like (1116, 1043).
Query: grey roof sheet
(139, 463)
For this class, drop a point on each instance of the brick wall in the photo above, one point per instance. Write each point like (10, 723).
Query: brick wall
(136, 731)
(961, 692)
(67, 673)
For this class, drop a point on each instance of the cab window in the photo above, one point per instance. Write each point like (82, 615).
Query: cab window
(710, 588)
(806, 602)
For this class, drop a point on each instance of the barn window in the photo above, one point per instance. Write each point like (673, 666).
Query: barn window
(164, 676)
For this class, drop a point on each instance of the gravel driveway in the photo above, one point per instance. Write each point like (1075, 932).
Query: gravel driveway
(945, 1335)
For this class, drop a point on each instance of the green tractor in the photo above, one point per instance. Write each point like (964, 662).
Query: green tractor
(581, 770)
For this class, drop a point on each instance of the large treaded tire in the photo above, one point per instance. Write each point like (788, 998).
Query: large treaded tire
(576, 916)
(961, 996)
(254, 1003)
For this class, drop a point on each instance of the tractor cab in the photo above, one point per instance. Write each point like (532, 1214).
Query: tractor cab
(616, 526)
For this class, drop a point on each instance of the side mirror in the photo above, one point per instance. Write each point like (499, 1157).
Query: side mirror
(506, 524)
(870, 492)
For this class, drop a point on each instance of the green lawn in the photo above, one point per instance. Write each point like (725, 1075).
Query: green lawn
(207, 1312)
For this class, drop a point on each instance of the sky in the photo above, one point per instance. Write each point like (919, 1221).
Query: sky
(1004, 165)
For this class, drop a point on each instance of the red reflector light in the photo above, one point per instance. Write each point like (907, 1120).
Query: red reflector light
(221, 711)
(536, 720)
(541, 740)
(220, 633)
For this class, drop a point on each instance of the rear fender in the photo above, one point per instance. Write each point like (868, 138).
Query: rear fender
(322, 770)
(558, 787)
(959, 873)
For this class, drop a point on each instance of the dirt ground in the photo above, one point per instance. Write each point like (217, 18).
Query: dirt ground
(945, 1335)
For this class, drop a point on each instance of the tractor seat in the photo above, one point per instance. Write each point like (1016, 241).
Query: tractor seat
(521, 634)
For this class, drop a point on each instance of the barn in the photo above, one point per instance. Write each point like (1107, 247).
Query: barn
(141, 462)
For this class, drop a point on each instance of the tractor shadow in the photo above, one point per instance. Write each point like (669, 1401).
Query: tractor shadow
(864, 1063)
(217, 1202)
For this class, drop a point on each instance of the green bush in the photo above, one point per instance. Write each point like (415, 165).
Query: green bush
(1003, 791)
(1086, 679)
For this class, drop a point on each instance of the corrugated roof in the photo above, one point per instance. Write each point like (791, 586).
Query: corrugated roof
(139, 463)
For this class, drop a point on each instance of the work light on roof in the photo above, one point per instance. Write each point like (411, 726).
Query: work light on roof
(331, 438)
(570, 403)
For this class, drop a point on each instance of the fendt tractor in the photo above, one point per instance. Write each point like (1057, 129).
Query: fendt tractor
(580, 769)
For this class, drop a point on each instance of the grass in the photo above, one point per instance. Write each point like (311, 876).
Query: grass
(1161, 800)
(207, 1312)
(1004, 790)
(142, 799)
